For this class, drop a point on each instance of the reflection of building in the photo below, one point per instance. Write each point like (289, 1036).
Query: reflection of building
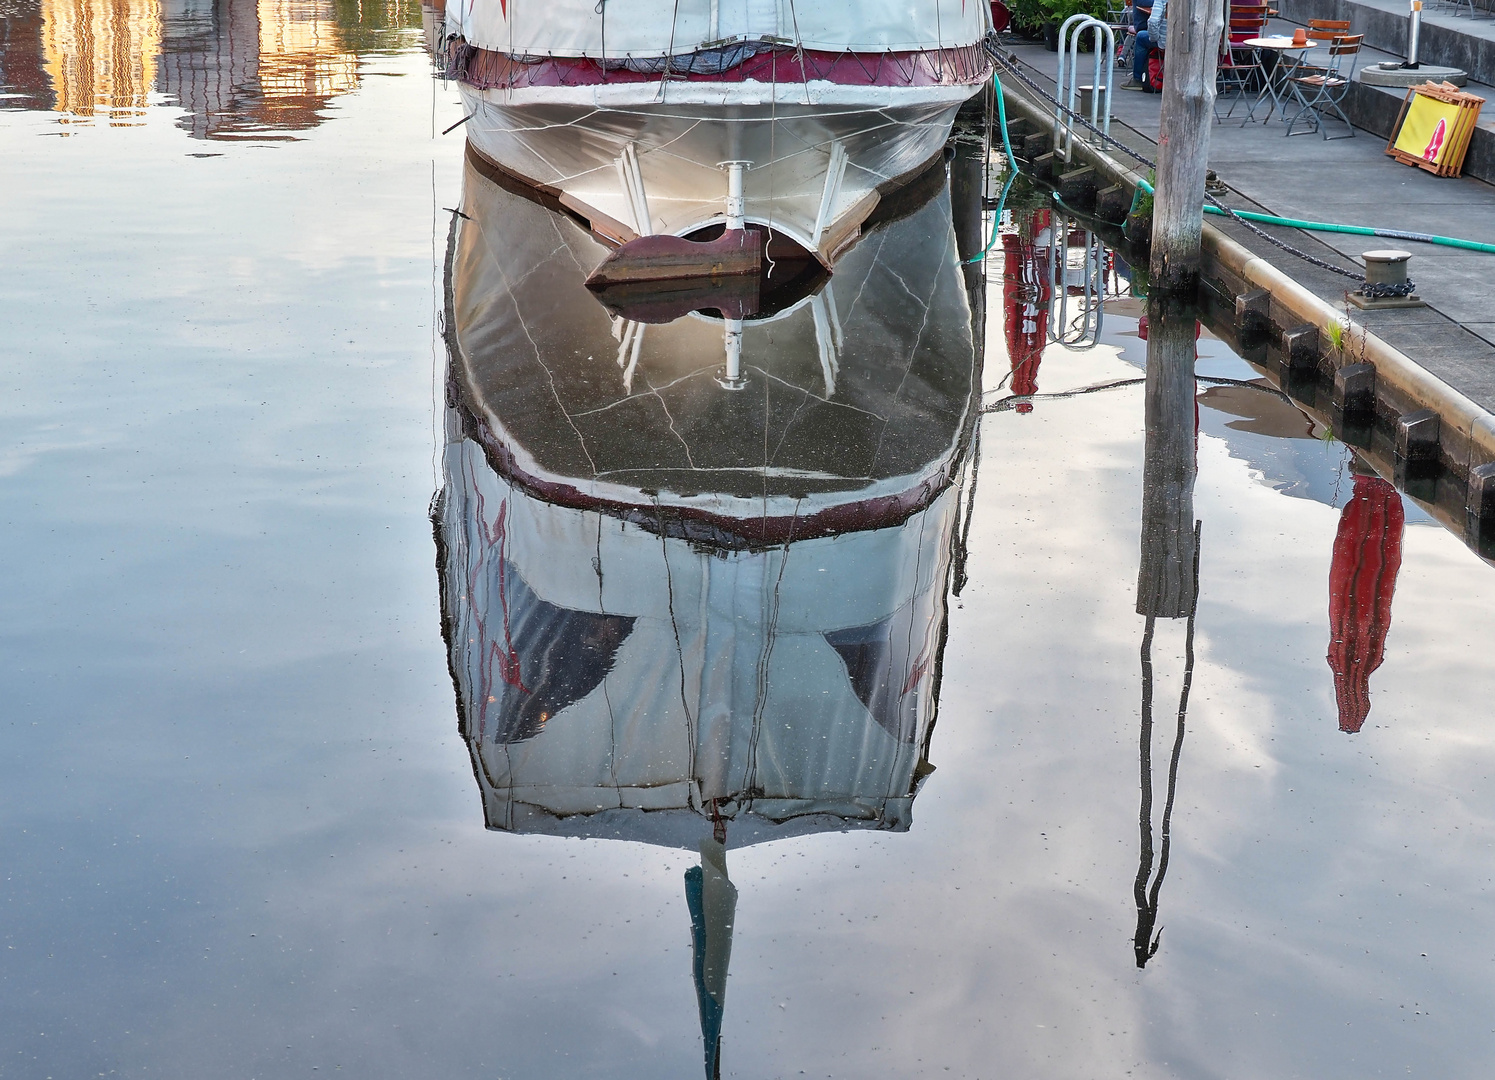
(433, 25)
(237, 67)
(302, 62)
(244, 67)
(210, 63)
(101, 56)
(24, 82)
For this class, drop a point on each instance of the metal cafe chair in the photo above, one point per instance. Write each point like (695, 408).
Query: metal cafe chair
(1474, 9)
(1238, 72)
(1327, 29)
(1320, 30)
(1240, 68)
(1320, 94)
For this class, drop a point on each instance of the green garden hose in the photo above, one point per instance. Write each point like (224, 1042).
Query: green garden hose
(1358, 230)
(996, 221)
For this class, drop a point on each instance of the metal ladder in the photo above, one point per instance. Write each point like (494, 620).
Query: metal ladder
(1103, 47)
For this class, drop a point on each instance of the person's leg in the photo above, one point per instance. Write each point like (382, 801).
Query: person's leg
(1139, 56)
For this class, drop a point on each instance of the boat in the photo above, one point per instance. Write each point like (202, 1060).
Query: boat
(686, 119)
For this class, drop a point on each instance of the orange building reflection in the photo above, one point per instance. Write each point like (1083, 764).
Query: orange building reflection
(238, 68)
(101, 56)
(251, 67)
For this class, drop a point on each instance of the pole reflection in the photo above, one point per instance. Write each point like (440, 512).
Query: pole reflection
(1167, 579)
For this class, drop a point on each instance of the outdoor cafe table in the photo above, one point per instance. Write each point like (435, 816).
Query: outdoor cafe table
(1274, 84)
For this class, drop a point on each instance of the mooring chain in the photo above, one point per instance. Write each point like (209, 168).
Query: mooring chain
(1370, 290)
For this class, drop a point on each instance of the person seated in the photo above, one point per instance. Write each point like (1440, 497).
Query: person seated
(1157, 35)
(1141, 47)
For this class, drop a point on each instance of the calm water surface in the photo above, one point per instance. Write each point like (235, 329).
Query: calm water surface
(253, 733)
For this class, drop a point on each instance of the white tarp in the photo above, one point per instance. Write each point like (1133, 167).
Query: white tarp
(641, 28)
(664, 676)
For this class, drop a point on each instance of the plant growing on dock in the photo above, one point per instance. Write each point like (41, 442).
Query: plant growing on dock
(1028, 16)
(1336, 333)
(1340, 335)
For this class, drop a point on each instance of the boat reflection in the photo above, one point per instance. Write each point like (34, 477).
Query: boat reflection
(686, 615)
(856, 400)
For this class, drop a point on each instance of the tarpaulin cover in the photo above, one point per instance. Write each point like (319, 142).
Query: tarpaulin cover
(673, 676)
(622, 28)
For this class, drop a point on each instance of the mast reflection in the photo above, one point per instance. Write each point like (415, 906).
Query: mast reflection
(662, 634)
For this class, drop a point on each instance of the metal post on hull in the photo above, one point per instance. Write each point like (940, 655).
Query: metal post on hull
(736, 201)
(731, 377)
(631, 177)
(835, 172)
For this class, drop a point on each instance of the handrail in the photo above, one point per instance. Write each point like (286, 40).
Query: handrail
(1103, 42)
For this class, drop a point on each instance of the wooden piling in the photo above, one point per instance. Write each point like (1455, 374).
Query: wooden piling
(1194, 28)
(1165, 577)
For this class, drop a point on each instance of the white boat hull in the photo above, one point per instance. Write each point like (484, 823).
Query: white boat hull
(819, 154)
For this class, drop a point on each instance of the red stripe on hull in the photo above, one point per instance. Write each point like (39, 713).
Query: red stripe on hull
(966, 66)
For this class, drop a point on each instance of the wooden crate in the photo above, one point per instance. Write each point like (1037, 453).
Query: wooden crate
(1465, 116)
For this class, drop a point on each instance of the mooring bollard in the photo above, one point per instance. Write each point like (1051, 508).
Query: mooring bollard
(1387, 267)
(1386, 281)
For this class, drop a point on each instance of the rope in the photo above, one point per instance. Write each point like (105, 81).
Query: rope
(1011, 401)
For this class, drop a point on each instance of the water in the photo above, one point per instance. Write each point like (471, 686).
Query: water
(241, 829)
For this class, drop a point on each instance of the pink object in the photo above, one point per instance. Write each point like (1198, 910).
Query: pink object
(1435, 144)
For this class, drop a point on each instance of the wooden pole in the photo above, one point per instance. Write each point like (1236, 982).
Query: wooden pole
(1190, 59)
(1165, 577)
